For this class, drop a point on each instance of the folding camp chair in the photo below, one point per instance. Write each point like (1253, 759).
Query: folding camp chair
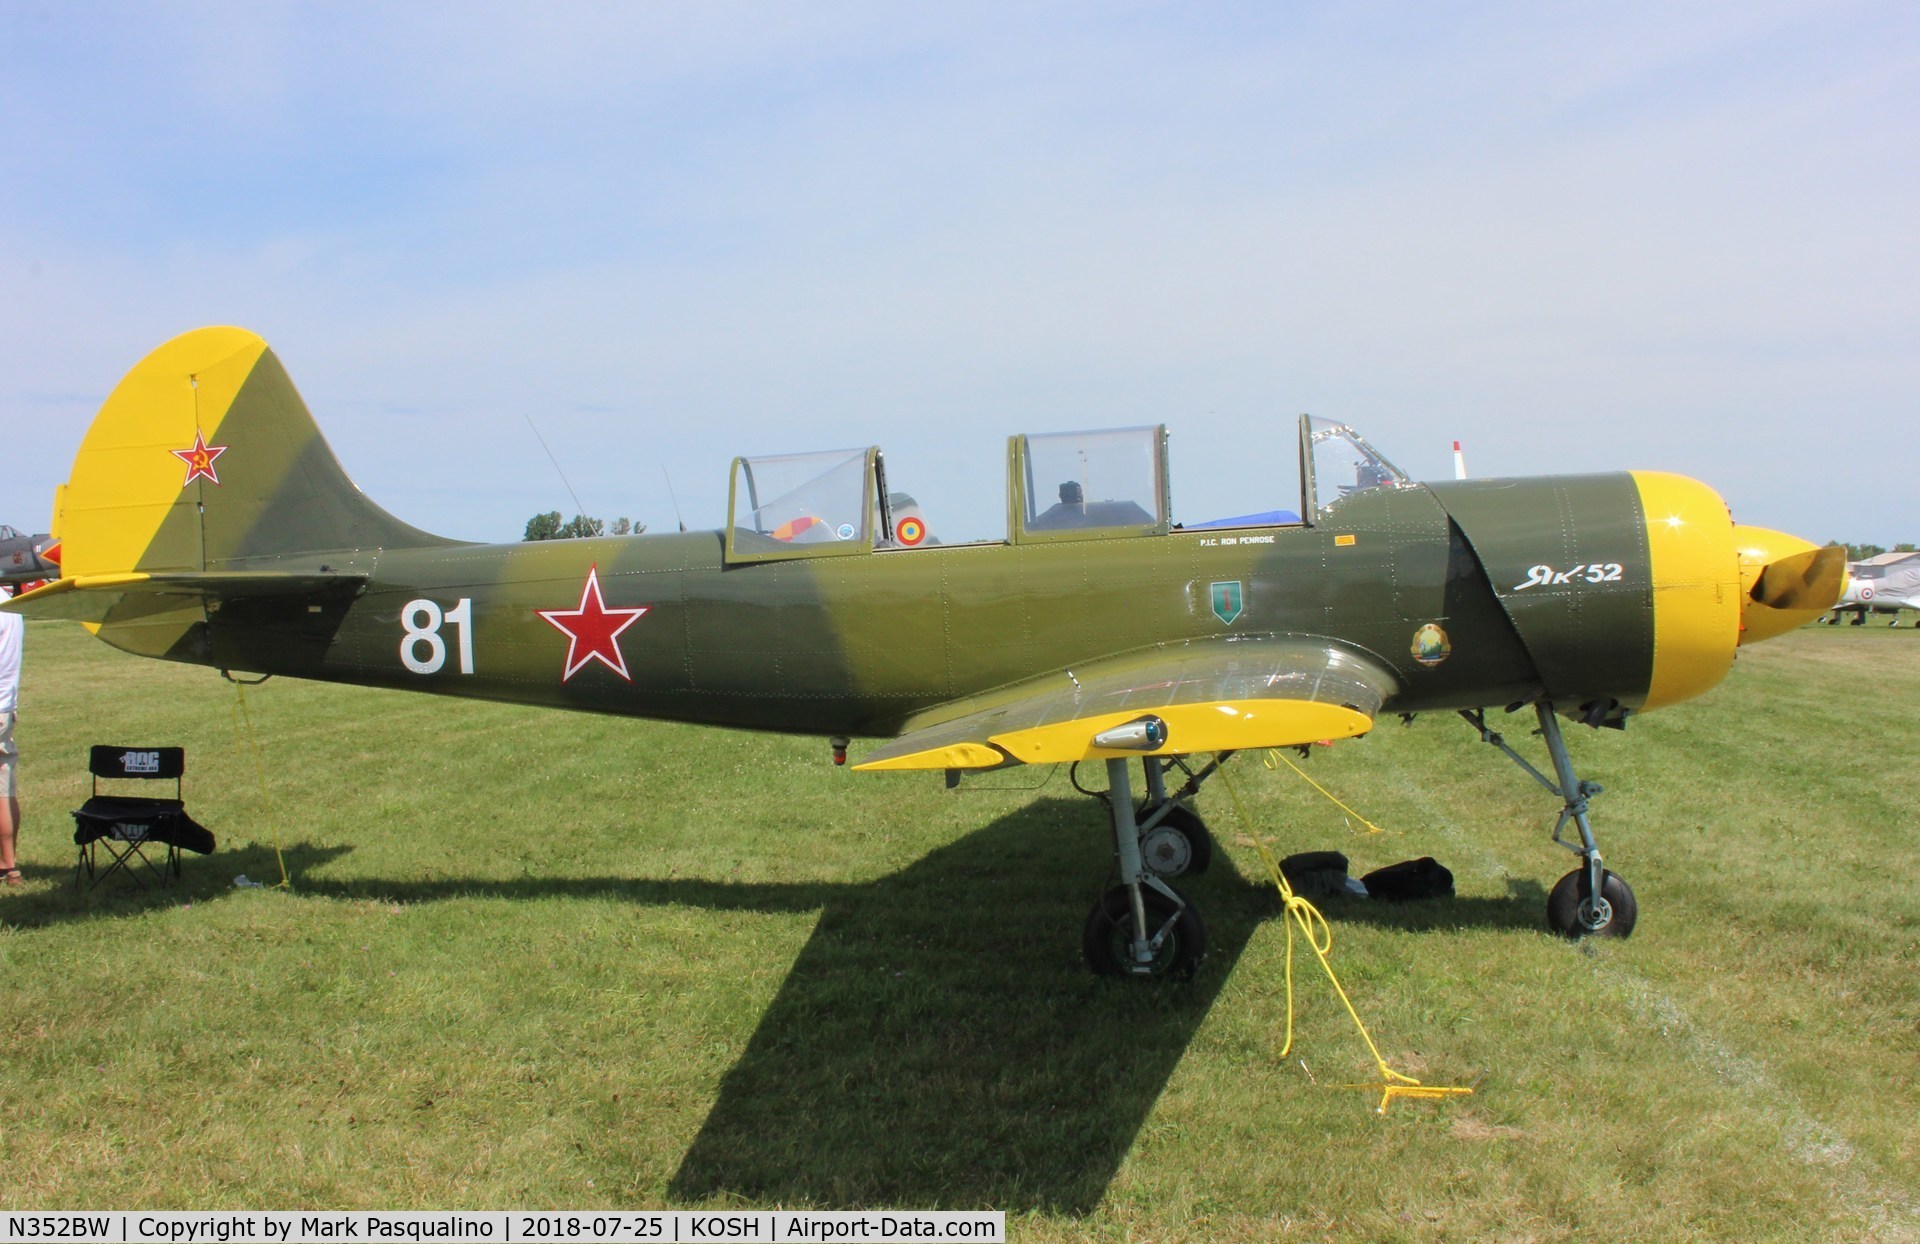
(126, 825)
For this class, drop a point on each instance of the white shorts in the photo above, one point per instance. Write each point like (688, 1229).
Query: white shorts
(9, 756)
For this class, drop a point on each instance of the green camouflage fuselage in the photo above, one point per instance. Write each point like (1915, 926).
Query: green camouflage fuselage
(857, 645)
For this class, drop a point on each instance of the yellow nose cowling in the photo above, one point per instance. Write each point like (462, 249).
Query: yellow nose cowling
(1785, 582)
(1717, 586)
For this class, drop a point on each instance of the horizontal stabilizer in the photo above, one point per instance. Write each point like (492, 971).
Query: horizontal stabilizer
(93, 598)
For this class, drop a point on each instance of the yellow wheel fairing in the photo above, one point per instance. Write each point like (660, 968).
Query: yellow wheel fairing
(127, 506)
(1696, 586)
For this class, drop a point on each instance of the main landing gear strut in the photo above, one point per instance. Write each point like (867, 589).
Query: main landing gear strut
(1590, 901)
(1142, 927)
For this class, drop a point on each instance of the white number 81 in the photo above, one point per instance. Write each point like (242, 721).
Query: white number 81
(421, 620)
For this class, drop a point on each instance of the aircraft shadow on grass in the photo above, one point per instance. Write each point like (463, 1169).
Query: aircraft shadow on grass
(1518, 909)
(201, 880)
(938, 1042)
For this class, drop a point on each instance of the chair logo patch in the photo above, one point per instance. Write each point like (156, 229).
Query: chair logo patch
(140, 762)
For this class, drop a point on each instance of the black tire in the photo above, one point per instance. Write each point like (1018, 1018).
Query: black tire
(1108, 941)
(1179, 846)
(1569, 897)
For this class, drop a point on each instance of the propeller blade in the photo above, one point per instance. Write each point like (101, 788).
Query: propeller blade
(1810, 580)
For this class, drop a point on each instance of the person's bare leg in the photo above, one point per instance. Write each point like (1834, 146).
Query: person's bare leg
(9, 832)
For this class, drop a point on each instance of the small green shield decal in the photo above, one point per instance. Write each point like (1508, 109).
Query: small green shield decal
(1227, 601)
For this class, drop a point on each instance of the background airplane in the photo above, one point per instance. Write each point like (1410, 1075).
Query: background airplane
(1887, 584)
(206, 521)
(26, 559)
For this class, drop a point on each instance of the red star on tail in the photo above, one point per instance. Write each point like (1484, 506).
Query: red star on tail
(199, 459)
(593, 630)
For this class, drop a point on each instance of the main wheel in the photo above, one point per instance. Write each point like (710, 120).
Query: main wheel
(1108, 942)
(1571, 911)
(1179, 845)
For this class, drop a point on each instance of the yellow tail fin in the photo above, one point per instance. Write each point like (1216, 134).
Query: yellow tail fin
(205, 458)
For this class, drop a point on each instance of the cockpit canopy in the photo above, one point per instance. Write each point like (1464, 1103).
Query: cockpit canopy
(803, 505)
(1336, 462)
(1073, 485)
(1061, 486)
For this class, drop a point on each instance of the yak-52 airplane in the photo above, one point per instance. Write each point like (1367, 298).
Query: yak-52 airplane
(207, 521)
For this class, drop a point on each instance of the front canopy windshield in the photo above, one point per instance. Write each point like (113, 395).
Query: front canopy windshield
(785, 502)
(1342, 464)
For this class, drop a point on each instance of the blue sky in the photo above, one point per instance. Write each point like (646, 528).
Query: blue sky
(1576, 237)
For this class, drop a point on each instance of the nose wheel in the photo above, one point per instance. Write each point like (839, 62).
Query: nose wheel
(1573, 911)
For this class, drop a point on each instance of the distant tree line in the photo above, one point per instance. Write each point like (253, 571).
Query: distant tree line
(1861, 552)
(549, 527)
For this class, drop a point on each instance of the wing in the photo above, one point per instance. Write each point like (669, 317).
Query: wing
(1207, 696)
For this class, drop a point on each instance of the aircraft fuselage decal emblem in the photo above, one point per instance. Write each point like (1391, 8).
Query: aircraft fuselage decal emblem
(199, 459)
(1431, 645)
(1228, 600)
(1597, 572)
(593, 630)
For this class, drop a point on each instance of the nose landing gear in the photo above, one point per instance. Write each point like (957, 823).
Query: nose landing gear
(1590, 901)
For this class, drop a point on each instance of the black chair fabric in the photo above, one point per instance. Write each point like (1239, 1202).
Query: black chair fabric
(127, 824)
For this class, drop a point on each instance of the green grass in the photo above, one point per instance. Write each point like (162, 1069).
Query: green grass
(534, 959)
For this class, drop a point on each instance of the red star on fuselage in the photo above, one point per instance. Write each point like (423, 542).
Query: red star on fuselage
(199, 459)
(593, 630)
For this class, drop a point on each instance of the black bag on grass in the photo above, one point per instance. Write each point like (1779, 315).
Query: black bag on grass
(1409, 881)
(1316, 874)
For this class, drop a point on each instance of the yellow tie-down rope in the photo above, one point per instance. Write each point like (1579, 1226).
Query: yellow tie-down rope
(1274, 754)
(241, 714)
(1319, 935)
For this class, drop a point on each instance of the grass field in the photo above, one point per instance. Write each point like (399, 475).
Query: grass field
(534, 959)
